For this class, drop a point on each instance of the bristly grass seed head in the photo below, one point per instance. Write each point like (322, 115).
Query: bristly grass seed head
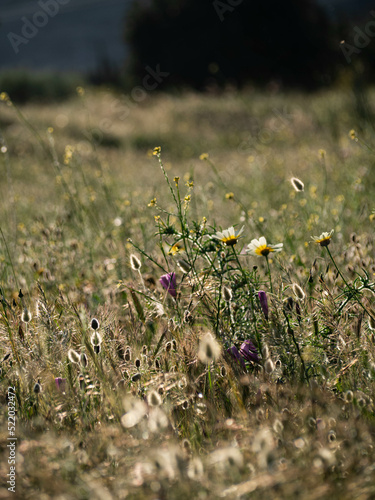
(135, 263)
(298, 292)
(209, 349)
(297, 184)
(26, 315)
(74, 357)
(94, 324)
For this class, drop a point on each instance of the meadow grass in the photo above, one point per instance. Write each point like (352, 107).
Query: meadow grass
(153, 353)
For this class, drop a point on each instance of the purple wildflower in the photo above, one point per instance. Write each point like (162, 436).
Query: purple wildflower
(168, 282)
(263, 303)
(249, 352)
(234, 352)
(60, 383)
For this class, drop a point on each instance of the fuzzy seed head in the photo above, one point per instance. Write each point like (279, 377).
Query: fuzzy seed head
(312, 422)
(227, 294)
(331, 436)
(135, 262)
(227, 458)
(135, 411)
(74, 357)
(185, 404)
(157, 420)
(269, 366)
(332, 422)
(361, 402)
(209, 349)
(259, 414)
(37, 388)
(96, 339)
(94, 324)
(297, 184)
(278, 426)
(195, 469)
(265, 352)
(136, 377)
(84, 360)
(298, 292)
(263, 446)
(154, 399)
(349, 396)
(26, 315)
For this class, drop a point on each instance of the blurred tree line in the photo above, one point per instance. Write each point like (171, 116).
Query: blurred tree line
(213, 43)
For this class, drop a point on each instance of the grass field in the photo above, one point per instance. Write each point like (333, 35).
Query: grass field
(137, 350)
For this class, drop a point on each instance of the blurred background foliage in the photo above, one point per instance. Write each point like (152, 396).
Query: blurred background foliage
(213, 45)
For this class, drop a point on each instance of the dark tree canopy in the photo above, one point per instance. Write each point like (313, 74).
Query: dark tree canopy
(199, 42)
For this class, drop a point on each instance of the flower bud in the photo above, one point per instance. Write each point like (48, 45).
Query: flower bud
(263, 303)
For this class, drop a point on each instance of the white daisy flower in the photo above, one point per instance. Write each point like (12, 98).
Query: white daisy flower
(229, 236)
(260, 247)
(324, 239)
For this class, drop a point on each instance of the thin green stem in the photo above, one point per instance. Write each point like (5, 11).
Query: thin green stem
(251, 291)
(269, 273)
(209, 376)
(9, 257)
(354, 291)
(291, 332)
(167, 179)
(146, 255)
